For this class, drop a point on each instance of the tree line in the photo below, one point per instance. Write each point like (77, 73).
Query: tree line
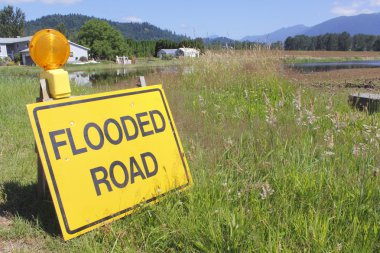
(334, 42)
(106, 42)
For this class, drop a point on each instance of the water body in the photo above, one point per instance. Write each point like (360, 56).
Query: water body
(115, 76)
(329, 66)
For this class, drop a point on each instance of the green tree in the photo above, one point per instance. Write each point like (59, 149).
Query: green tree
(104, 41)
(62, 29)
(12, 22)
(331, 41)
(344, 41)
(376, 44)
(359, 42)
(165, 44)
(289, 43)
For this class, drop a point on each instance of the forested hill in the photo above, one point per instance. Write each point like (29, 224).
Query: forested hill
(73, 22)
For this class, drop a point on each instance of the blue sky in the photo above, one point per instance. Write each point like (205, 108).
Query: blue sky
(202, 18)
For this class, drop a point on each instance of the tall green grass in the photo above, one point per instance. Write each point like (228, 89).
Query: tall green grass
(276, 168)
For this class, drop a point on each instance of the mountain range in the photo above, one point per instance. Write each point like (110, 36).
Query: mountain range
(365, 24)
(73, 22)
(360, 24)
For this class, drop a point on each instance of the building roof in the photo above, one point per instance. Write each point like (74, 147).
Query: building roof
(75, 44)
(25, 51)
(169, 51)
(29, 38)
(15, 40)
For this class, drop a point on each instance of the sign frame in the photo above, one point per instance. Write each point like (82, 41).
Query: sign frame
(41, 142)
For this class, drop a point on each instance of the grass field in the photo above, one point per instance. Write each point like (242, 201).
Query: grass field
(278, 166)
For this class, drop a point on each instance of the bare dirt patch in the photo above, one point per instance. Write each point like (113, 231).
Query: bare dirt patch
(365, 78)
(5, 222)
(21, 245)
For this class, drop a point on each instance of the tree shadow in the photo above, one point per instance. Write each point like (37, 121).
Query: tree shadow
(22, 201)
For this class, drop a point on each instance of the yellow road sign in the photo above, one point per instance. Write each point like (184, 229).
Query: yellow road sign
(104, 155)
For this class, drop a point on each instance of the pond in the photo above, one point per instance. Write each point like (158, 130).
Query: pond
(117, 76)
(329, 66)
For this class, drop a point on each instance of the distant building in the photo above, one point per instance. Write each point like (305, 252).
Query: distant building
(180, 52)
(9, 47)
(77, 52)
(188, 52)
(167, 52)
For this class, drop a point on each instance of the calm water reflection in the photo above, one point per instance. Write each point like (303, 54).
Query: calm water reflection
(329, 66)
(117, 76)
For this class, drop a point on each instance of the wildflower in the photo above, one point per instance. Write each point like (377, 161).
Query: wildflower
(311, 118)
(266, 190)
(270, 117)
(330, 104)
(335, 119)
(339, 247)
(246, 94)
(329, 139)
(237, 112)
(228, 143)
(297, 104)
(297, 100)
(190, 156)
(359, 149)
(328, 153)
(201, 100)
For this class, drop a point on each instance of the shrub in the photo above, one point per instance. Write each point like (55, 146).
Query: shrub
(83, 59)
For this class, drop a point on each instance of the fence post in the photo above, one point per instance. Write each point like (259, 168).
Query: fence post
(141, 82)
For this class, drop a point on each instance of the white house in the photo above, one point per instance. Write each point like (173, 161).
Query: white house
(11, 46)
(188, 52)
(77, 52)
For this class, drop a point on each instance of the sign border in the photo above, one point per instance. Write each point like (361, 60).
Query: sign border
(51, 172)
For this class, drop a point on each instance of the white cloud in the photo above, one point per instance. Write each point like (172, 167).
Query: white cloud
(344, 11)
(41, 1)
(132, 19)
(355, 7)
(367, 11)
(375, 2)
